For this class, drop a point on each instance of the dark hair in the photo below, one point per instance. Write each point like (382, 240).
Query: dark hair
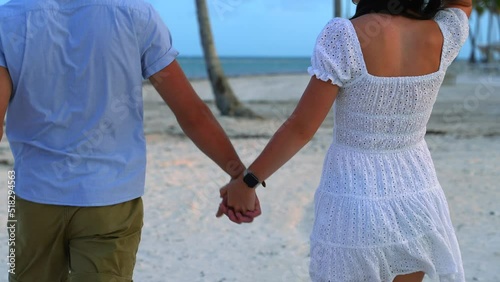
(414, 9)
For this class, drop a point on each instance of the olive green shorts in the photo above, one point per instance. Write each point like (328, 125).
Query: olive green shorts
(76, 244)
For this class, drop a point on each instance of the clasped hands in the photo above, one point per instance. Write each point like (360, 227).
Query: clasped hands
(239, 202)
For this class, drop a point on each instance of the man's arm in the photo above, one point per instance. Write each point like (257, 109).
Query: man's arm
(196, 119)
(5, 93)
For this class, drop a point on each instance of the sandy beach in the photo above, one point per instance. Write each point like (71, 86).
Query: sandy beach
(182, 241)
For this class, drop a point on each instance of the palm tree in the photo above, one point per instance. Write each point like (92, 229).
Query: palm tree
(337, 11)
(497, 12)
(478, 6)
(493, 8)
(225, 99)
(490, 27)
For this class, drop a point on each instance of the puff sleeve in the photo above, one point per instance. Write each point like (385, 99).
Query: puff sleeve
(334, 57)
(454, 25)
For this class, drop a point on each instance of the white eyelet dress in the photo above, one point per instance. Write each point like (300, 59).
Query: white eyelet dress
(379, 209)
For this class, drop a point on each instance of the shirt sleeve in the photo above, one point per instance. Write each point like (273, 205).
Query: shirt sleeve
(156, 45)
(334, 54)
(454, 25)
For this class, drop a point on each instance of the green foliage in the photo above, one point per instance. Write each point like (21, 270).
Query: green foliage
(479, 9)
(482, 5)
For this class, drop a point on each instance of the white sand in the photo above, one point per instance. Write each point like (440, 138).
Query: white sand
(183, 241)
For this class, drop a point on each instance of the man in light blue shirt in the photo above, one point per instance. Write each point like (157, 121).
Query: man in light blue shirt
(77, 67)
(71, 77)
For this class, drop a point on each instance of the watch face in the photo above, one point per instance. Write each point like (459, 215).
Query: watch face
(250, 180)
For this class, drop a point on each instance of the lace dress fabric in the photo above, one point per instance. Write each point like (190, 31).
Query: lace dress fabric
(379, 209)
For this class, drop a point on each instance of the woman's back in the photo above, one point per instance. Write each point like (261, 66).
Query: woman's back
(389, 70)
(398, 46)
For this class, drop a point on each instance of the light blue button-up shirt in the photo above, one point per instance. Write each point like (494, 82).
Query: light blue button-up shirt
(75, 119)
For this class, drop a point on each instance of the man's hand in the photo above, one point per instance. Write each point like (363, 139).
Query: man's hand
(239, 202)
(238, 217)
(240, 197)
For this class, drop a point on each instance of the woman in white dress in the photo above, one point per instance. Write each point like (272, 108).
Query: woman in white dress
(380, 213)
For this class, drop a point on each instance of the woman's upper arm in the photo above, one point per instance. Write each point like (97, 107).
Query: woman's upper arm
(315, 104)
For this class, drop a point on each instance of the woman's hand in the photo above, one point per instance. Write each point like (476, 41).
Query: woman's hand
(240, 197)
(239, 203)
(238, 217)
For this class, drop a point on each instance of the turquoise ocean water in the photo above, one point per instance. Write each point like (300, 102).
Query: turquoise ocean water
(194, 67)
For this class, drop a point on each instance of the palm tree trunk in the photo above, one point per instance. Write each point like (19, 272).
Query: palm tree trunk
(498, 20)
(490, 27)
(475, 37)
(497, 12)
(338, 8)
(472, 57)
(226, 101)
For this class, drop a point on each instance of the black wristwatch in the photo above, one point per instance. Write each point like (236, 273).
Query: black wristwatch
(251, 180)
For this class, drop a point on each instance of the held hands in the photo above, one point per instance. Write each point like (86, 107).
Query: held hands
(239, 203)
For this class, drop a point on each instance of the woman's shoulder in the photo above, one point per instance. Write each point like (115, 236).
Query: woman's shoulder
(335, 57)
(337, 23)
(336, 28)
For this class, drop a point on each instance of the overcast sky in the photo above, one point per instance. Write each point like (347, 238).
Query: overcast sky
(286, 28)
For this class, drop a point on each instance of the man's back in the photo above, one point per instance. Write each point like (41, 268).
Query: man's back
(75, 117)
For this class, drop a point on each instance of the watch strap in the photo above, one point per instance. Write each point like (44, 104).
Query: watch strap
(251, 180)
